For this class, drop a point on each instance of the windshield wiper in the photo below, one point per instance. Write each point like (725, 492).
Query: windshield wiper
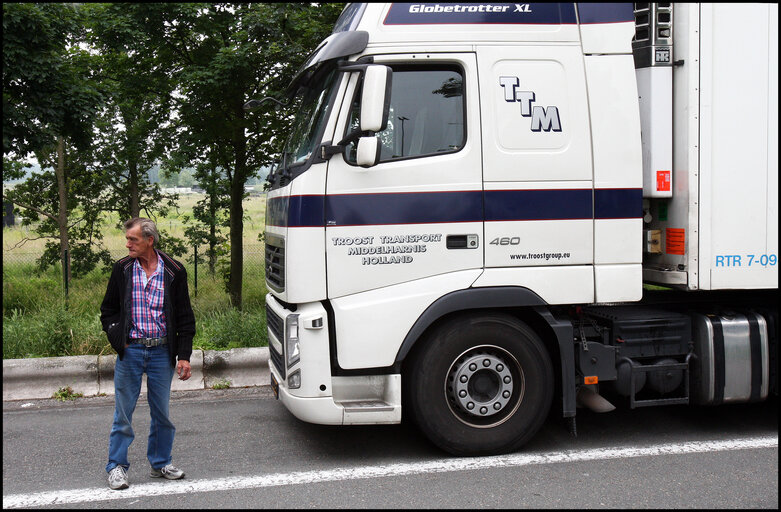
(253, 104)
(285, 169)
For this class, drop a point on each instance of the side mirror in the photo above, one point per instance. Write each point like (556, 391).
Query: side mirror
(368, 152)
(375, 98)
(373, 116)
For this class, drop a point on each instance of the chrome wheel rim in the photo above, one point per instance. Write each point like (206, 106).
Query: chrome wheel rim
(484, 386)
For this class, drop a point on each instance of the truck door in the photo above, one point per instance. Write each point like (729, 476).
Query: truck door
(419, 212)
(537, 162)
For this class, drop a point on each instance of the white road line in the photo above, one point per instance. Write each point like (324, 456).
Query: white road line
(167, 488)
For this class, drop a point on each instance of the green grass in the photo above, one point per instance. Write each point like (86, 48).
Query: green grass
(222, 384)
(37, 321)
(25, 290)
(230, 329)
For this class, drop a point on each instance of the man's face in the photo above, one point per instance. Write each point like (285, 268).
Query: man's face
(136, 244)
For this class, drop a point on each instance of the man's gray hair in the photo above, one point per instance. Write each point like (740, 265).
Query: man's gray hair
(148, 228)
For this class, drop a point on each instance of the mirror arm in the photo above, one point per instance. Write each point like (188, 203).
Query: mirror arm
(327, 150)
(359, 65)
(353, 136)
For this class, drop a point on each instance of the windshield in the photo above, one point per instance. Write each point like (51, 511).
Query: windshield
(312, 112)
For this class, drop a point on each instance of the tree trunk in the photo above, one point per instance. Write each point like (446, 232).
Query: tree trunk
(135, 203)
(237, 210)
(62, 217)
(236, 240)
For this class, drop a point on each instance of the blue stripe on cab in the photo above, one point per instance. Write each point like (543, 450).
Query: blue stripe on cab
(618, 203)
(306, 211)
(404, 208)
(537, 204)
(444, 207)
(276, 211)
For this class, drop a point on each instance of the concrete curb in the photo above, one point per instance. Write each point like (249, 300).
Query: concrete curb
(25, 379)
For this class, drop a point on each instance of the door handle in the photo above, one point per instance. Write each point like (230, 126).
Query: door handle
(462, 242)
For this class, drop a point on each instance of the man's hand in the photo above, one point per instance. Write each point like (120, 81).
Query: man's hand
(183, 369)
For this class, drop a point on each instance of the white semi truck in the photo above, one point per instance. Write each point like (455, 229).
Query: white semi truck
(473, 196)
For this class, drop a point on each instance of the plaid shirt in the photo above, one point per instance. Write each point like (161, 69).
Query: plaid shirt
(148, 320)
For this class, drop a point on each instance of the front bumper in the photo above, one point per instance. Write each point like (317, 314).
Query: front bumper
(320, 397)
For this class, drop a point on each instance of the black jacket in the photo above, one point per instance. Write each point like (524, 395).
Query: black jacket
(115, 312)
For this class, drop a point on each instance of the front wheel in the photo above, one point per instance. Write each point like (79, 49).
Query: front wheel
(480, 385)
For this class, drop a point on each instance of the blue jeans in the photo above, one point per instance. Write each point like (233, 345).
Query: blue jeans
(156, 362)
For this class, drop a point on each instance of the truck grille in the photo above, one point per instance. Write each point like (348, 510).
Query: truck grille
(275, 262)
(277, 327)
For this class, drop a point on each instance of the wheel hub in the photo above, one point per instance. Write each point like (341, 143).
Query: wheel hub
(480, 385)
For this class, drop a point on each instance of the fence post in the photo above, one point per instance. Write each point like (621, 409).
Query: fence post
(195, 250)
(65, 276)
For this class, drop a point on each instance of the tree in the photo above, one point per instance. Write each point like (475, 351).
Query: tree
(50, 99)
(210, 213)
(135, 125)
(170, 72)
(226, 54)
(42, 95)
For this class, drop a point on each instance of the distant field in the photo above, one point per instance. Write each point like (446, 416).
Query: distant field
(114, 238)
(37, 321)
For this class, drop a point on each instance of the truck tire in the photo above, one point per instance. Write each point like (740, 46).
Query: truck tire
(480, 384)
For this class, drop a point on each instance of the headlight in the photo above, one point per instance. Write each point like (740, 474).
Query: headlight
(292, 352)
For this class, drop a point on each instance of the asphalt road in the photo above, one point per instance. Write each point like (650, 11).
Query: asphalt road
(241, 449)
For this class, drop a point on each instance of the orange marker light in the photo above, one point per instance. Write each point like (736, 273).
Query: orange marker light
(590, 380)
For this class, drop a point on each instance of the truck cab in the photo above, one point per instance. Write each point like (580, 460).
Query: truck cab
(461, 181)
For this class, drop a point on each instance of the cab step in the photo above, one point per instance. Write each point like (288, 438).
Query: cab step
(353, 406)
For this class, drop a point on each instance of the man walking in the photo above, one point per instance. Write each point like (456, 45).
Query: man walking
(147, 317)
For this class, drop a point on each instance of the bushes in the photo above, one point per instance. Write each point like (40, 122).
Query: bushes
(231, 329)
(36, 322)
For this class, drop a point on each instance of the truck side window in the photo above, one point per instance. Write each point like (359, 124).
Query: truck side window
(426, 114)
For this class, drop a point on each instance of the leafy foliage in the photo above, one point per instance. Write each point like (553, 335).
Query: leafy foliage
(226, 54)
(50, 100)
(210, 214)
(127, 86)
(47, 90)
(66, 393)
(134, 129)
(222, 384)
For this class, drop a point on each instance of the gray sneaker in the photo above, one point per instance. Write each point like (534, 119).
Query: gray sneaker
(170, 472)
(117, 478)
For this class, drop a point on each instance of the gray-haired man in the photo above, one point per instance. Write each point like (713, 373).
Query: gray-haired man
(147, 316)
